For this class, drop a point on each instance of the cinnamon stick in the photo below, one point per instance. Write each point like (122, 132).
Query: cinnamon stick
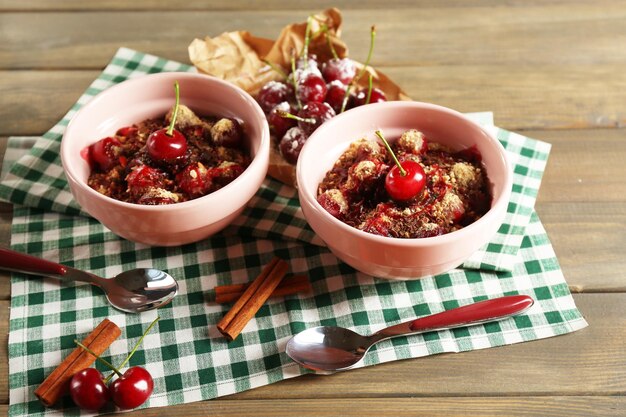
(57, 383)
(252, 299)
(291, 285)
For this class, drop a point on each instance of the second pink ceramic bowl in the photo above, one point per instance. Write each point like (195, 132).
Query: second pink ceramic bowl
(391, 257)
(152, 96)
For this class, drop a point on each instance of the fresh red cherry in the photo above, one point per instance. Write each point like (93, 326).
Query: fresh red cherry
(280, 125)
(291, 144)
(335, 95)
(407, 186)
(88, 390)
(104, 153)
(376, 96)
(342, 70)
(311, 116)
(311, 88)
(132, 388)
(405, 180)
(273, 93)
(168, 144)
(126, 131)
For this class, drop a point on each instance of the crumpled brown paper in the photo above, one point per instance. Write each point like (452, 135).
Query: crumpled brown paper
(238, 57)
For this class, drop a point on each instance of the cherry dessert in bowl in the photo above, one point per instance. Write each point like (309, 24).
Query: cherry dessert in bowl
(448, 200)
(153, 186)
(414, 189)
(170, 159)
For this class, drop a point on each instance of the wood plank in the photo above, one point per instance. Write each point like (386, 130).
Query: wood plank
(577, 99)
(587, 362)
(582, 203)
(556, 34)
(124, 5)
(548, 406)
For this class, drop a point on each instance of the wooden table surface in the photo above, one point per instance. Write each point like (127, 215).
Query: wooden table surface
(554, 70)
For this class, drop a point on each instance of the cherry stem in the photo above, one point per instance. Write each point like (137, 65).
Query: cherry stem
(91, 352)
(170, 129)
(369, 89)
(307, 38)
(287, 115)
(294, 81)
(132, 352)
(393, 155)
(360, 74)
(275, 68)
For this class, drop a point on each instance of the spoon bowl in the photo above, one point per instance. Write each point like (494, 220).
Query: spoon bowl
(328, 349)
(131, 291)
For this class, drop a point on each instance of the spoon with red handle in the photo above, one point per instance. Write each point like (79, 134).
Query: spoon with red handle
(131, 291)
(330, 349)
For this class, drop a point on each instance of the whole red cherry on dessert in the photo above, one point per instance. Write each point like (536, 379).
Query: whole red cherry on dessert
(132, 388)
(311, 88)
(407, 186)
(339, 69)
(405, 180)
(167, 144)
(88, 390)
(104, 153)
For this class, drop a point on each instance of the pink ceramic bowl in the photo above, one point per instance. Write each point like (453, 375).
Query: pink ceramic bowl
(392, 257)
(151, 96)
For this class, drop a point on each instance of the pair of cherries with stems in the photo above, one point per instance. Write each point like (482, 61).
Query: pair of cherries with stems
(405, 180)
(89, 389)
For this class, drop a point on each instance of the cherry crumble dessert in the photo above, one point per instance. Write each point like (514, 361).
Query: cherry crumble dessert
(412, 188)
(175, 158)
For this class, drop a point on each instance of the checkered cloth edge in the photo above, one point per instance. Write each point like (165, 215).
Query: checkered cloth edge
(37, 180)
(187, 357)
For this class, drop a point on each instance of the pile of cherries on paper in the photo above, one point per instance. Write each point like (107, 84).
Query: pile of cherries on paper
(312, 93)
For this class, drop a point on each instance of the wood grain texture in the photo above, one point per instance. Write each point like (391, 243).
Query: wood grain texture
(538, 34)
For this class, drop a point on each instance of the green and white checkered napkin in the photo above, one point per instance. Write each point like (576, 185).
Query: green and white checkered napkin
(186, 355)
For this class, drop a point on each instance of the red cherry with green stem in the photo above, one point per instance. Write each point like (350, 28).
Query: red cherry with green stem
(339, 69)
(273, 93)
(280, 125)
(311, 116)
(311, 87)
(369, 95)
(335, 94)
(168, 144)
(88, 390)
(132, 388)
(405, 180)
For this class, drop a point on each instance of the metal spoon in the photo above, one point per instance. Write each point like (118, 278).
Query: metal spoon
(132, 291)
(330, 349)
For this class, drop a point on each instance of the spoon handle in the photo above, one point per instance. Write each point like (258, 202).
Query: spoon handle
(480, 312)
(476, 313)
(11, 260)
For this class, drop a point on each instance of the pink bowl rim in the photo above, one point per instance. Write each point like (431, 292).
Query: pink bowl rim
(263, 147)
(491, 215)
